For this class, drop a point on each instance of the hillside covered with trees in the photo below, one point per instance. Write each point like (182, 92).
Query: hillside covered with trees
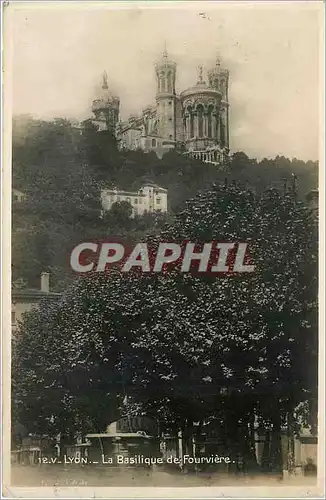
(233, 353)
(61, 169)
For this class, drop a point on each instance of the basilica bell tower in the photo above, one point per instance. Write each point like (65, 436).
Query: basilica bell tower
(166, 100)
(219, 79)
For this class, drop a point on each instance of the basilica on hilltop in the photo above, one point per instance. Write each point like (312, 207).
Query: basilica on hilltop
(195, 121)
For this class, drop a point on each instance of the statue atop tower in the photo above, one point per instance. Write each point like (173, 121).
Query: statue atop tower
(105, 81)
(106, 107)
(200, 81)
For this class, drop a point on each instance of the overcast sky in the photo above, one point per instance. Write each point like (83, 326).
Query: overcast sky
(271, 50)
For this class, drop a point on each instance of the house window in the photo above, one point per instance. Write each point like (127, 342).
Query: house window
(13, 317)
(140, 201)
(153, 143)
(16, 197)
(170, 103)
(128, 200)
(158, 201)
(136, 201)
(170, 119)
(170, 136)
(118, 198)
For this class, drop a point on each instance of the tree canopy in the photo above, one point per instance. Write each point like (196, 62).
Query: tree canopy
(183, 347)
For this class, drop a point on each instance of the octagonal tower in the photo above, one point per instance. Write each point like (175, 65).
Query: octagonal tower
(218, 78)
(201, 107)
(166, 99)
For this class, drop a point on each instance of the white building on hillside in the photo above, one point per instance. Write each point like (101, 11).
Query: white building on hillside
(148, 199)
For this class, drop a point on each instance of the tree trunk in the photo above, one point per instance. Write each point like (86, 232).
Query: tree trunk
(249, 450)
(198, 437)
(290, 450)
(198, 443)
(266, 462)
(232, 443)
(187, 443)
(276, 445)
(190, 436)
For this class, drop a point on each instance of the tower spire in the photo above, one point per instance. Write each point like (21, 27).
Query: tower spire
(105, 80)
(165, 52)
(200, 75)
(218, 61)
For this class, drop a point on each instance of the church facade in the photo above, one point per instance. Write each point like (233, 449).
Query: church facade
(195, 121)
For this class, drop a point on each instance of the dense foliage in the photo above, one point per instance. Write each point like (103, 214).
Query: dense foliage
(232, 351)
(61, 168)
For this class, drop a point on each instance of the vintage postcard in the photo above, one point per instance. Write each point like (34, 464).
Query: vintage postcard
(163, 290)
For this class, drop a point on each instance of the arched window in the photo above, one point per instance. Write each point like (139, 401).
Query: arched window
(222, 131)
(191, 122)
(169, 81)
(163, 82)
(200, 117)
(209, 122)
(192, 132)
(187, 122)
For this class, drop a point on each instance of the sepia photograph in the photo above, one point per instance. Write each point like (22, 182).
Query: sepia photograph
(162, 270)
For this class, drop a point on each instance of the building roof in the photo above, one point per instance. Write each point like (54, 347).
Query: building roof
(32, 294)
(18, 191)
(124, 193)
(200, 90)
(156, 186)
(134, 193)
(119, 434)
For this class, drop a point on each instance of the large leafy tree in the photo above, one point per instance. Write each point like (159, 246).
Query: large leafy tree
(254, 336)
(225, 349)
